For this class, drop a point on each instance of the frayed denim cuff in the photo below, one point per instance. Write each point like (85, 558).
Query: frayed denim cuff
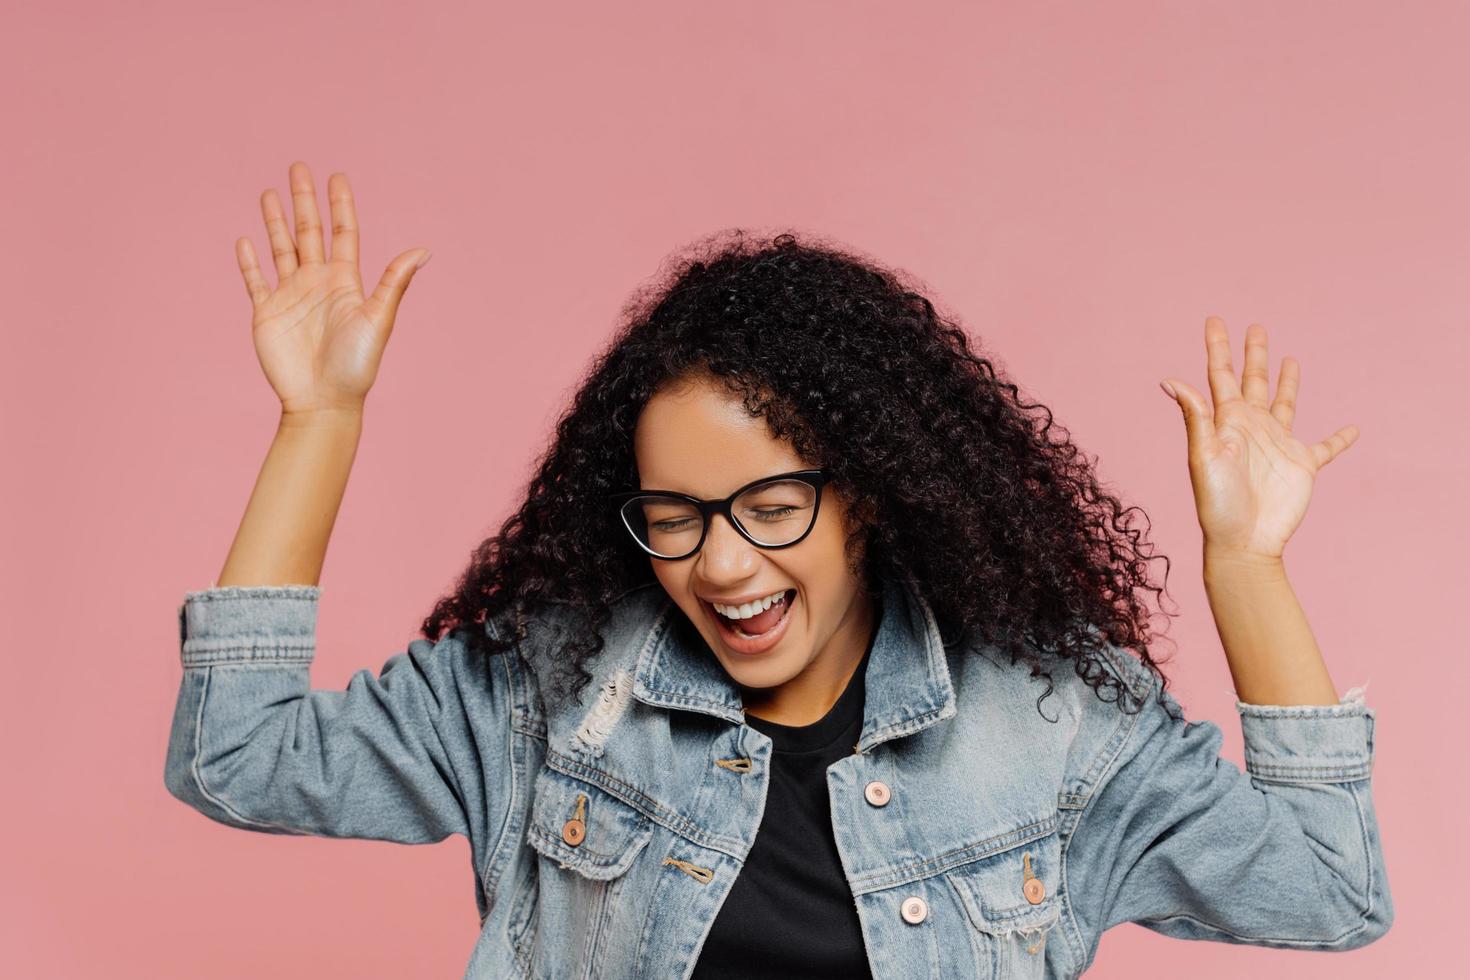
(269, 624)
(1309, 743)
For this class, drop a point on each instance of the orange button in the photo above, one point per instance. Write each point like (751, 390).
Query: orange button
(573, 831)
(1034, 890)
(877, 793)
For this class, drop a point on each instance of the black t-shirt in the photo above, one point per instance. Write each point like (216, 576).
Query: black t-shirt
(790, 912)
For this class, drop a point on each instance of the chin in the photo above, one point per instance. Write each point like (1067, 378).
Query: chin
(762, 674)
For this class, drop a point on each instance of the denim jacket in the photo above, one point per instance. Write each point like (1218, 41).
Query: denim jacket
(980, 839)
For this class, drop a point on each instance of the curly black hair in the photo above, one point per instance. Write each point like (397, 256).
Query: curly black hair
(955, 485)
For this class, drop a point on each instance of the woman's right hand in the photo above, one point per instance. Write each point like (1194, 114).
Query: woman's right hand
(317, 338)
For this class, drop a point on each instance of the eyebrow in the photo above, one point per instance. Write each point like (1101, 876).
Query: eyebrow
(737, 487)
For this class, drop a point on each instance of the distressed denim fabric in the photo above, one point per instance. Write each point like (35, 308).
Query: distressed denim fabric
(1007, 843)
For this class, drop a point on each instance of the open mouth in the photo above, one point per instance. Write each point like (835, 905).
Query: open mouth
(736, 634)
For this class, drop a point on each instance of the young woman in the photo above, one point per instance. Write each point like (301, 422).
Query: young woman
(812, 651)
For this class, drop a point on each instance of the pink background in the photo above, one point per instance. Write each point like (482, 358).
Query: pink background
(1081, 184)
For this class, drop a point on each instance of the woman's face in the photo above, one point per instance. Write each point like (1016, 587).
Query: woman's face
(696, 438)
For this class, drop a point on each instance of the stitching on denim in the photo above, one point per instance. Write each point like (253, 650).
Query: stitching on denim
(997, 844)
(1216, 928)
(1367, 843)
(1259, 762)
(523, 932)
(526, 716)
(654, 810)
(1064, 889)
(1345, 709)
(938, 658)
(1104, 762)
(1048, 913)
(998, 943)
(251, 665)
(1130, 670)
(535, 733)
(558, 849)
(666, 698)
(944, 708)
(596, 949)
(221, 593)
(1301, 775)
(584, 859)
(901, 728)
(198, 773)
(495, 863)
(1257, 940)
(280, 651)
(662, 696)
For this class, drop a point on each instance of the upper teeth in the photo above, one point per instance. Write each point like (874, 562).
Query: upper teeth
(748, 609)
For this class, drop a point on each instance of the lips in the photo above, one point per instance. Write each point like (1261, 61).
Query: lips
(751, 646)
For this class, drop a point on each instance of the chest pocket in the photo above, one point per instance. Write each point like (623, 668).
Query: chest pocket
(584, 828)
(588, 840)
(1012, 902)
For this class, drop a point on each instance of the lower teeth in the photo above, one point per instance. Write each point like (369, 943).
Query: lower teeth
(752, 636)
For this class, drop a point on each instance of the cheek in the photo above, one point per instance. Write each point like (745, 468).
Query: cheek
(824, 572)
(825, 563)
(675, 584)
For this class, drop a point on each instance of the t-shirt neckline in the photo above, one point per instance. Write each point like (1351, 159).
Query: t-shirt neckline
(820, 734)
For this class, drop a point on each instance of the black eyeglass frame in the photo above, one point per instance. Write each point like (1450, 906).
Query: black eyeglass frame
(816, 479)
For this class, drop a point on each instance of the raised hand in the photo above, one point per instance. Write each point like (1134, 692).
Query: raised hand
(1252, 477)
(318, 339)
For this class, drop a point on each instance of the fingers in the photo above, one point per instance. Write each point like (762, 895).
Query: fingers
(344, 219)
(383, 303)
(1199, 418)
(1328, 449)
(1288, 381)
(1223, 386)
(283, 247)
(309, 247)
(255, 283)
(1255, 382)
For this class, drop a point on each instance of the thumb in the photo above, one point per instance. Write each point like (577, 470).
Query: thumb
(395, 280)
(1198, 416)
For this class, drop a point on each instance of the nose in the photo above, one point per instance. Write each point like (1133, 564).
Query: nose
(726, 555)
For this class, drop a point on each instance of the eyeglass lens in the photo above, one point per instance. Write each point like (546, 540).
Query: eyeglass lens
(773, 513)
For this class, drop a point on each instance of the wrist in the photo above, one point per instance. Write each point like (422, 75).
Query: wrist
(1234, 564)
(345, 416)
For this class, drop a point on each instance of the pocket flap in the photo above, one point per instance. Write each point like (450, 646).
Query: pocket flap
(611, 834)
(994, 890)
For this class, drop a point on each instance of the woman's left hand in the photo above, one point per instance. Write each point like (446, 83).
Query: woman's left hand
(1252, 478)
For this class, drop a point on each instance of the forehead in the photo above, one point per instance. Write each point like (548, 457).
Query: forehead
(698, 439)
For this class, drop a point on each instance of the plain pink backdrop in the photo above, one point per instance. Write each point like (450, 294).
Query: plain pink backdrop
(1081, 184)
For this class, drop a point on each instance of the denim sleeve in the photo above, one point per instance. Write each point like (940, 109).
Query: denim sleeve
(253, 746)
(1178, 840)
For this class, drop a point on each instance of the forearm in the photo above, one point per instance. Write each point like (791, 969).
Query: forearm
(282, 539)
(1268, 643)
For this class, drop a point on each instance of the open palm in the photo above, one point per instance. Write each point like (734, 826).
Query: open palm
(1252, 477)
(319, 340)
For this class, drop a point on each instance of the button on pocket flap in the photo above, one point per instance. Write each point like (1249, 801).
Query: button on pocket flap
(585, 828)
(1013, 890)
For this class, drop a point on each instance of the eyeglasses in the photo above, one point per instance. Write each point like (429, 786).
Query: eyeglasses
(772, 512)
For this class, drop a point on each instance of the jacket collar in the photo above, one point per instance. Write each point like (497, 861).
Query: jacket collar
(908, 683)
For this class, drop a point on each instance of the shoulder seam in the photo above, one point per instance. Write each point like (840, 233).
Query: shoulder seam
(1117, 741)
(497, 856)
